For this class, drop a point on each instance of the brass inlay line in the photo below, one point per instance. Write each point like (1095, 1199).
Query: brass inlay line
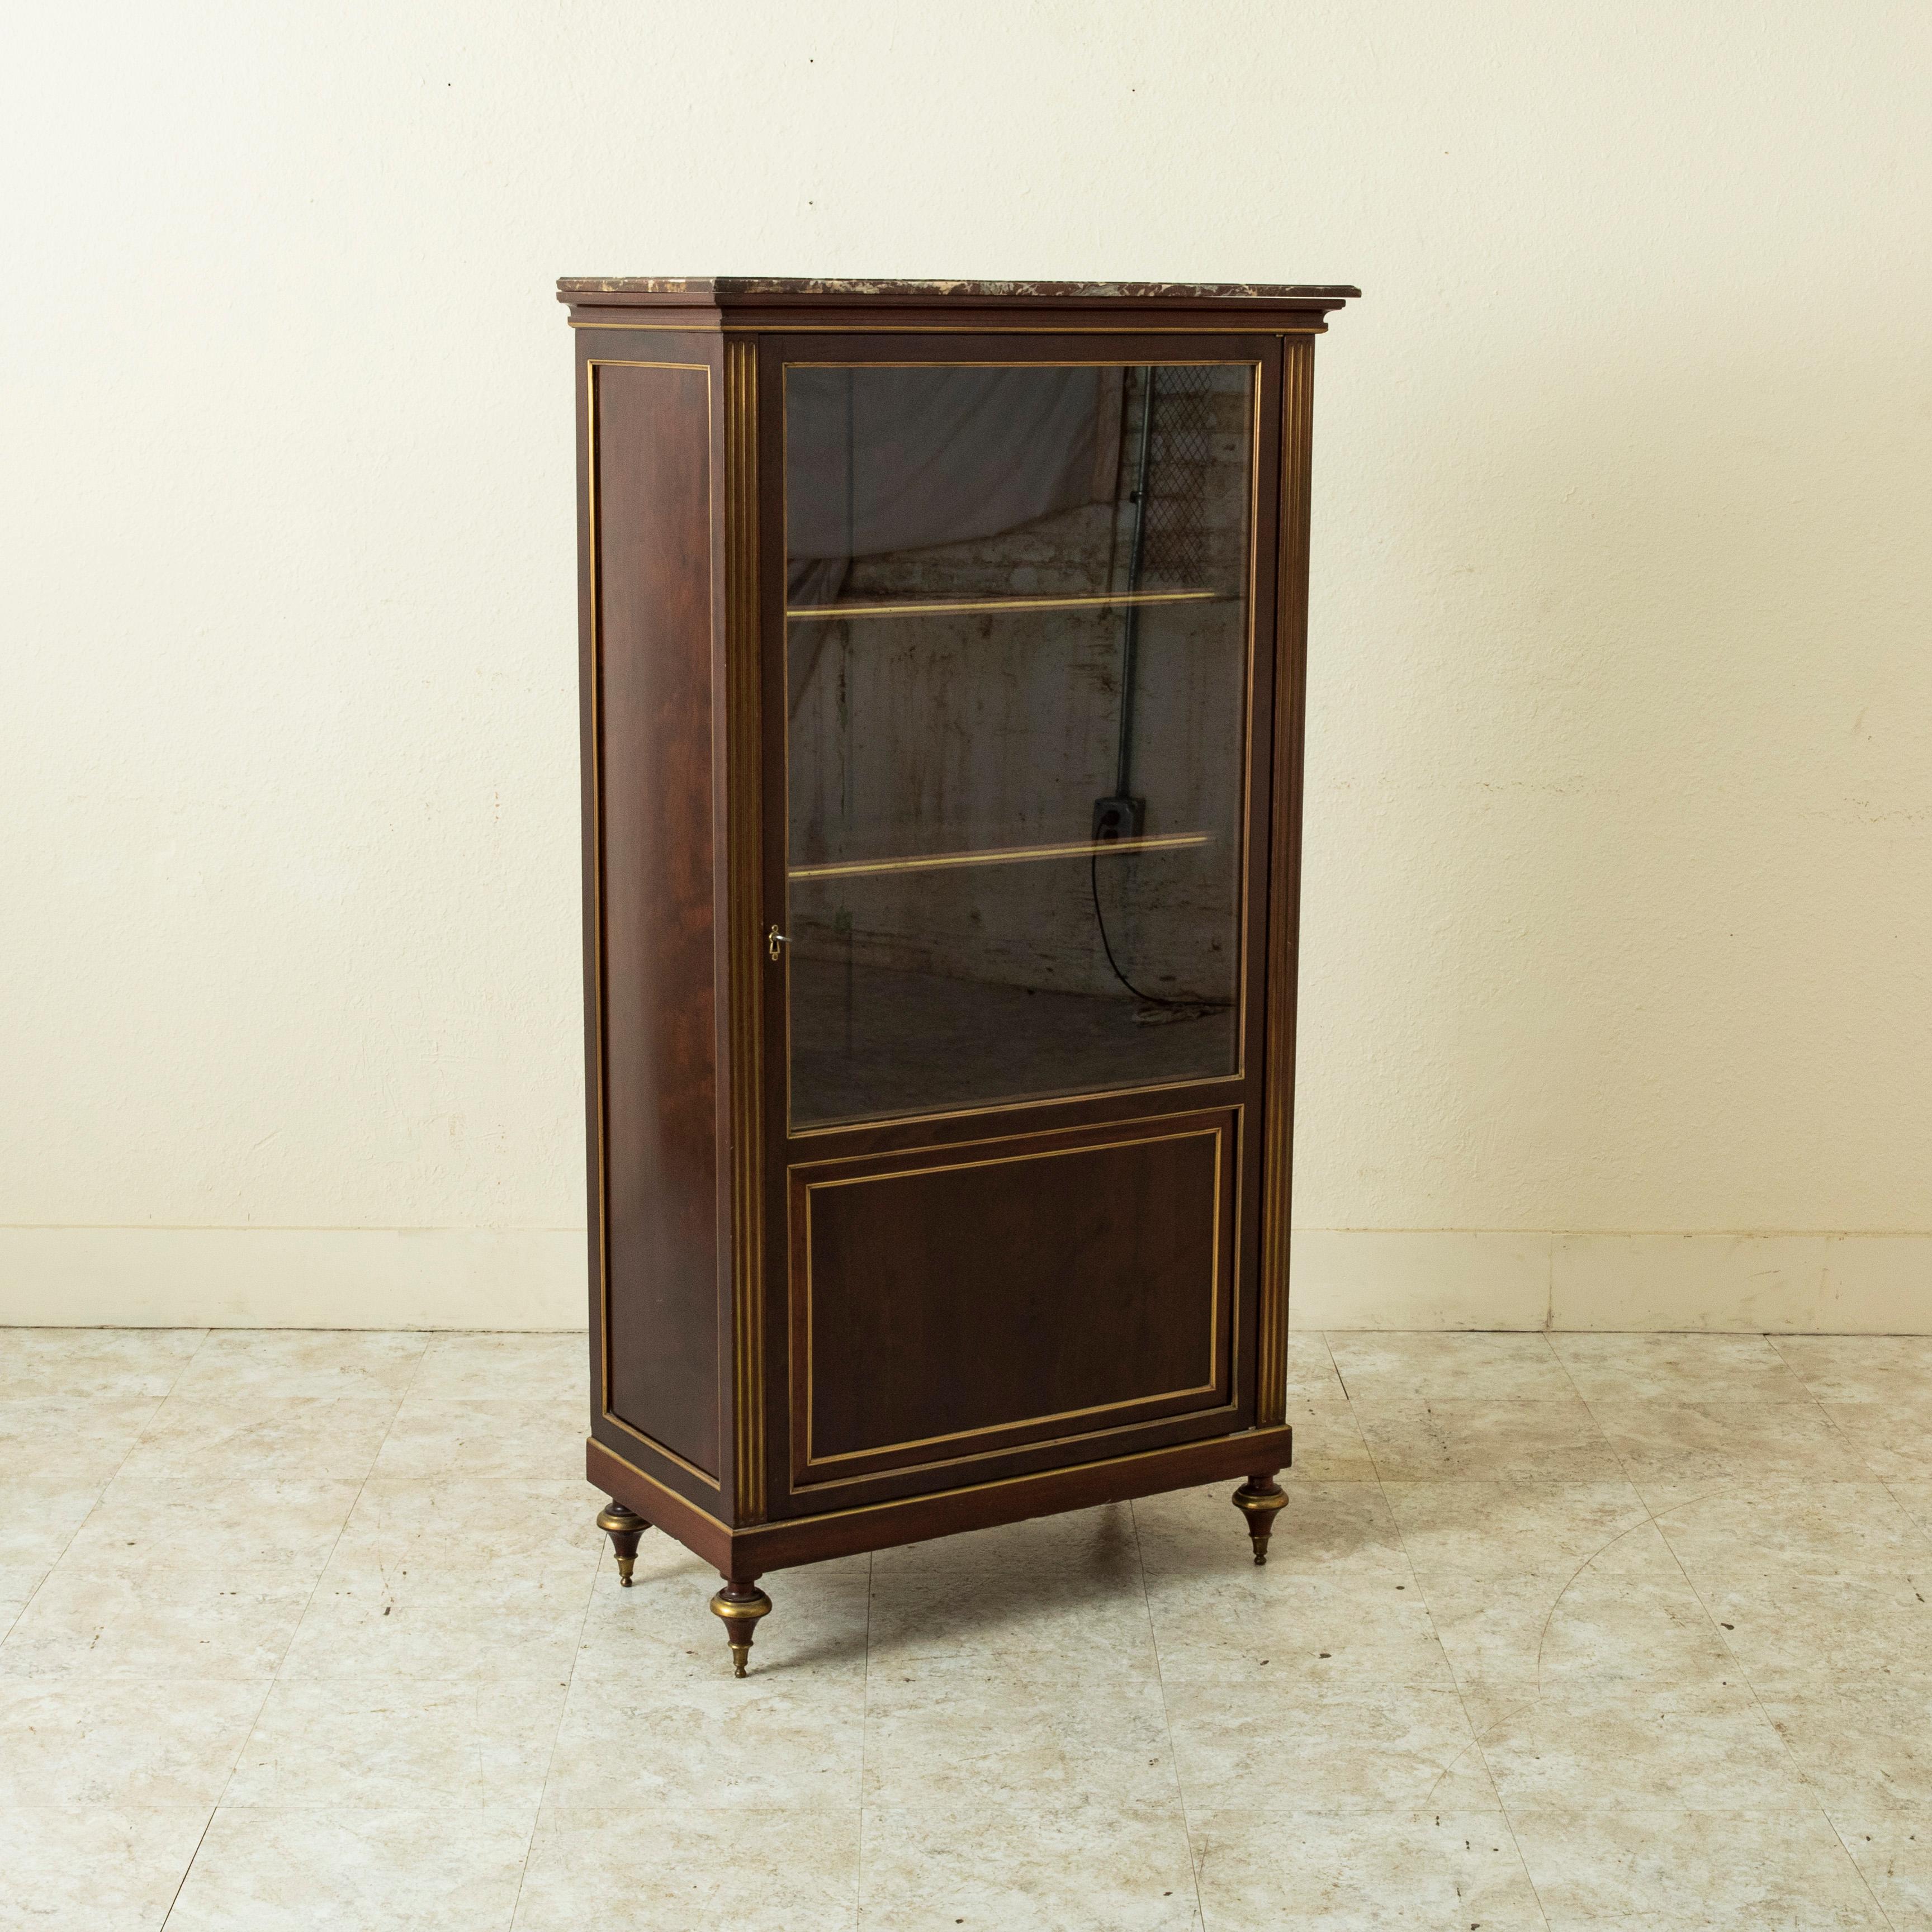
(1284, 887)
(1006, 855)
(690, 1468)
(1209, 1086)
(1250, 726)
(798, 1170)
(968, 606)
(745, 960)
(813, 1487)
(597, 1071)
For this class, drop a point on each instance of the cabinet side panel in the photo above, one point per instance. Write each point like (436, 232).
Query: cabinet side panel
(651, 458)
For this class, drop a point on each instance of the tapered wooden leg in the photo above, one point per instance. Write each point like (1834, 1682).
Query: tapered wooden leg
(623, 1526)
(740, 1604)
(1259, 1499)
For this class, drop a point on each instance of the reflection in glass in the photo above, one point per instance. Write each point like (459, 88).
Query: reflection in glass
(1016, 662)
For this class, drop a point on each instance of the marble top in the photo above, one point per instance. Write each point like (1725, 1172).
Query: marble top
(711, 287)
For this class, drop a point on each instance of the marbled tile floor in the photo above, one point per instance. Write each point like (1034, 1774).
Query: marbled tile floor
(315, 1630)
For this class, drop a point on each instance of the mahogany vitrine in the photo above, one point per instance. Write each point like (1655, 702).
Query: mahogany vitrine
(942, 648)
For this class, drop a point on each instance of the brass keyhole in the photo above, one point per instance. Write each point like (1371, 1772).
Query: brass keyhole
(774, 939)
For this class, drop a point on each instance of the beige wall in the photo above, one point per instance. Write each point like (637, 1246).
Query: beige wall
(1619, 911)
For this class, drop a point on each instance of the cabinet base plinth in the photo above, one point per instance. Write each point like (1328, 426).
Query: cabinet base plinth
(750, 1550)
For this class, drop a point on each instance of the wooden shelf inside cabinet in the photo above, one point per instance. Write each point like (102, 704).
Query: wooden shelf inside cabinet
(1006, 855)
(967, 606)
(975, 1208)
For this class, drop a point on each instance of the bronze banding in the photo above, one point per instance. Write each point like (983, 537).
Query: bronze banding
(600, 1154)
(1271, 1341)
(1209, 1090)
(744, 975)
(651, 1443)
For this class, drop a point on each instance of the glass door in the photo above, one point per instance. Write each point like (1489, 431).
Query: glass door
(1018, 630)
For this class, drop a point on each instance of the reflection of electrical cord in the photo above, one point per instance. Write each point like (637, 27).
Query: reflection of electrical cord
(1100, 920)
(1110, 811)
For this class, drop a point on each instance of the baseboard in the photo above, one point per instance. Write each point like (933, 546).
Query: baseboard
(1459, 1278)
(532, 1278)
(511, 1278)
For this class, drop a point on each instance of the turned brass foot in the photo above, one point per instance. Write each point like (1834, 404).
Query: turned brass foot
(1259, 1499)
(741, 1603)
(624, 1527)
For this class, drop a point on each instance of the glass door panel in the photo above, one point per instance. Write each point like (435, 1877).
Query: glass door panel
(1017, 636)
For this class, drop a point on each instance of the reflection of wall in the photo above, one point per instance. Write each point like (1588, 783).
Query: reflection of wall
(923, 734)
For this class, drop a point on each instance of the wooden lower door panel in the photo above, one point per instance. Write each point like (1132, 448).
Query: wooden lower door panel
(949, 1306)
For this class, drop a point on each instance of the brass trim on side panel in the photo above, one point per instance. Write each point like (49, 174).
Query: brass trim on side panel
(600, 1155)
(1257, 383)
(671, 1455)
(744, 950)
(1298, 391)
